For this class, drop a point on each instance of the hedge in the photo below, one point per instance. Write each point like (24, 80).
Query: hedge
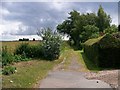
(104, 51)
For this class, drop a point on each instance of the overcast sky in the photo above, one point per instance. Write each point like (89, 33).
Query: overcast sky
(23, 18)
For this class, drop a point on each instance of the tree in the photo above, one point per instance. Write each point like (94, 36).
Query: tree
(119, 28)
(90, 31)
(73, 26)
(68, 27)
(103, 20)
(111, 29)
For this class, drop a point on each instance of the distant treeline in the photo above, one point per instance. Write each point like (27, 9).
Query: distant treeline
(119, 27)
(26, 39)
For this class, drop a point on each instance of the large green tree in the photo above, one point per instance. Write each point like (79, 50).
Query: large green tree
(69, 27)
(103, 20)
(78, 25)
(90, 31)
(111, 29)
(74, 25)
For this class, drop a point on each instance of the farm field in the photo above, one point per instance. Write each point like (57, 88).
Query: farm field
(11, 45)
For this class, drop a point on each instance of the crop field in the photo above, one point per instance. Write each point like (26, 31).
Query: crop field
(29, 72)
(11, 45)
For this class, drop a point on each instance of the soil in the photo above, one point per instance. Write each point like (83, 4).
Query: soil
(108, 76)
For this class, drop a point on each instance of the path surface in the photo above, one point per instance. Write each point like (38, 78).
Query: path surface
(68, 74)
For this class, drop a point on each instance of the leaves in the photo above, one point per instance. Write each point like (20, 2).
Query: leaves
(51, 43)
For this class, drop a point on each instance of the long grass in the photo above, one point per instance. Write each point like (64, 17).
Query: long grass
(28, 72)
(11, 45)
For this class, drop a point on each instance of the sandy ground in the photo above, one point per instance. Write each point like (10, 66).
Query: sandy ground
(108, 76)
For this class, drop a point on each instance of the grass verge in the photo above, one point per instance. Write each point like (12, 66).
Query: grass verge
(28, 73)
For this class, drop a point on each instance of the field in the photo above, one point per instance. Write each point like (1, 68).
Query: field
(11, 45)
(29, 72)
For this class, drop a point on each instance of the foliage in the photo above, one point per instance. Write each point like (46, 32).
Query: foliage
(51, 43)
(22, 49)
(103, 20)
(90, 31)
(116, 35)
(7, 58)
(111, 29)
(18, 58)
(77, 24)
(105, 51)
(7, 70)
(119, 28)
(48, 49)
(29, 51)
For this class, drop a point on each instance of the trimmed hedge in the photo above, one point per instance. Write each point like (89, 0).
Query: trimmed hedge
(104, 51)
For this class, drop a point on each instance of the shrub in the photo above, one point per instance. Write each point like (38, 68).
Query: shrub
(29, 51)
(18, 58)
(51, 44)
(8, 70)
(7, 57)
(22, 49)
(35, 51)
(105, 51)
(48, 49)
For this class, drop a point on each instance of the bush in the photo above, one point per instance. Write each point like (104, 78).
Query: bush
(29, 51)
(22, 49)
(8, 70)
(51, 44)
(18, 58)
(7, 58)
(35, 51)
(105, 51)
(49, 48)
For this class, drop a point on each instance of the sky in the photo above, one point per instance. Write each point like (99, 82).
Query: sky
(25, 18)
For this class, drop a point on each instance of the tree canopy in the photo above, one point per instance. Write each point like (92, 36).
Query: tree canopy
(80, 27)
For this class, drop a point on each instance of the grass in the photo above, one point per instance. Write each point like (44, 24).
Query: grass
(11, 45)
(67, 60)
(29, 72)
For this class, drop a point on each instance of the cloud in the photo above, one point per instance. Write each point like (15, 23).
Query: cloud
(23, 18)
